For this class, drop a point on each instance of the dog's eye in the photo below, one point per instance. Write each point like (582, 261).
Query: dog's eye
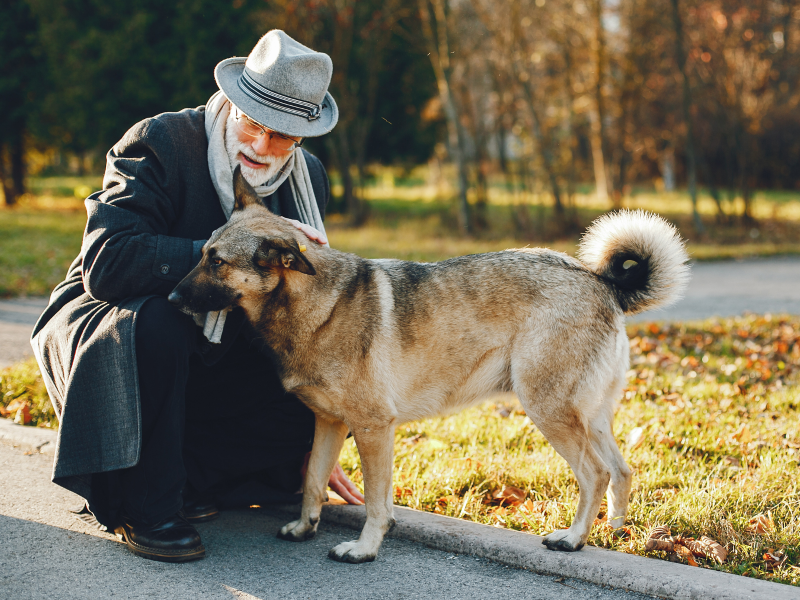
(217, 261)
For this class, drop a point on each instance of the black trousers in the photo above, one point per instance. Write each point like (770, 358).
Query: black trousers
(228, 428)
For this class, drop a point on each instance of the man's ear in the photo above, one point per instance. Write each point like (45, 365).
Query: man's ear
(276, 252)
(243, 192)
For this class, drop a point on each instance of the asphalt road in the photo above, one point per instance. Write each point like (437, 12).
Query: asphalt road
(46, 553)
(729, 288)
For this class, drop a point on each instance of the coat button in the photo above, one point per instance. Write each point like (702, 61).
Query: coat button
(164, 269)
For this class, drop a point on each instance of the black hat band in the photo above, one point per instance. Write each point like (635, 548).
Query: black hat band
(286, 104)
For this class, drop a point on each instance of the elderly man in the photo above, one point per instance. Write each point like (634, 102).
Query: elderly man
(164, 416)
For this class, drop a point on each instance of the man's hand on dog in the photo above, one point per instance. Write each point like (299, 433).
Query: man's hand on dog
(311, 233)
(339, 483)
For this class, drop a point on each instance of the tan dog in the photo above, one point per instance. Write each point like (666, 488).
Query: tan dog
(370, 344)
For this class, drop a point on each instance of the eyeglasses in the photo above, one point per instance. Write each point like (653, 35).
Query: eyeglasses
(277, 140)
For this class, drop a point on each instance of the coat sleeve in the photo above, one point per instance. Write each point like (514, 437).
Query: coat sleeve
(126, 247)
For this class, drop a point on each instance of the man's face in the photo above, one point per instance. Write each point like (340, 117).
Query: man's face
(261, 157)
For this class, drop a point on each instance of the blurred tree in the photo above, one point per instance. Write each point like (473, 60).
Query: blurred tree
(361, 37)
(438, 30)
(20, 78)
(111, 63)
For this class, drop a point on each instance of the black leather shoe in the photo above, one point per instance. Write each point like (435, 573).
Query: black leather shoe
(172, 540)
(200, 509)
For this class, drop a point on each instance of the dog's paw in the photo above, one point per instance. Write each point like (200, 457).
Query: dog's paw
(563, 540)
(297, 531)
(350, 552)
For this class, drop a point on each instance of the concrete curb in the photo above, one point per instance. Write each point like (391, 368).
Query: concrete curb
(517, 549)
(594, 565)
(35, 438)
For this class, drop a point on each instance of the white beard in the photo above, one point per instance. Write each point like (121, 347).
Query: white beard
(254, 177)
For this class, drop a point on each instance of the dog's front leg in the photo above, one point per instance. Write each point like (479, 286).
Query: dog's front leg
(328, 439)
(375, 445)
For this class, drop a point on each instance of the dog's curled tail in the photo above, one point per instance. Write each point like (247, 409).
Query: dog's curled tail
(642, 256)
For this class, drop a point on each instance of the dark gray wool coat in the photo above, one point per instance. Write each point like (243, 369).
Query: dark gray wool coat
(144, 233)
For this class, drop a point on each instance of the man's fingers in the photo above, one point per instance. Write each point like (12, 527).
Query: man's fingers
(310, 232)
(341, 484)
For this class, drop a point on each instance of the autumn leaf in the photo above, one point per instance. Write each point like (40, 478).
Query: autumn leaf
(742, 435)
(685, 554)
(402, 492)
(665, 440)
(660, 538)
(531, 507)
(509, 495)
(774, 559)
(706, 547)
(761, 524)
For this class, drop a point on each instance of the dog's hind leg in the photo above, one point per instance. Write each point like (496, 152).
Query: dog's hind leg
(329, 436)
(375, 445)
(619, 490)
(550, 405)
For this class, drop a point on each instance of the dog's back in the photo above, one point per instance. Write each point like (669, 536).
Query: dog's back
(449, 331)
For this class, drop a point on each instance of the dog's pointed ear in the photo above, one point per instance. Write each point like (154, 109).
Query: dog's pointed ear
(243, 193)
(276, 252)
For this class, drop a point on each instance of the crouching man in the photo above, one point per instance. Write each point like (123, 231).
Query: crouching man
(164, 418)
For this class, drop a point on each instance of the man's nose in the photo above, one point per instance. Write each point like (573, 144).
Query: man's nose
(260, 145)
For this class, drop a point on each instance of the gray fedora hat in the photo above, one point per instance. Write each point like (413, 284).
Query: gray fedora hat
(283, 85)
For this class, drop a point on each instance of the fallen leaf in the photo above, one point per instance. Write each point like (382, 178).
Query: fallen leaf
(531, 507)
(660, 538)
(732, 461)
(509, 495)
(742, 435)
(635, 437)
(761, 524)
(401, 492)
(445, 500)
(706, 547)
(686, 554)
(666, 441)
(774, 559)
(23, 414)
(664, 493)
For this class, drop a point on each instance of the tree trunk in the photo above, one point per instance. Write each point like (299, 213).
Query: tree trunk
(8, 186)
(18, 164)
(598, 115)
(691, 162)
(547, 156)
(439, 48)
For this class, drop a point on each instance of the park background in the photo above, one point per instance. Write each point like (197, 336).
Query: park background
(470, 126)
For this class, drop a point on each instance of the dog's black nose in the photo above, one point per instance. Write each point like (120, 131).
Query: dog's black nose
(175, 298)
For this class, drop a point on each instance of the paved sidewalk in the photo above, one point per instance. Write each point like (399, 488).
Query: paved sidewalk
(47, 553)
(425, 556)
(17, 318)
